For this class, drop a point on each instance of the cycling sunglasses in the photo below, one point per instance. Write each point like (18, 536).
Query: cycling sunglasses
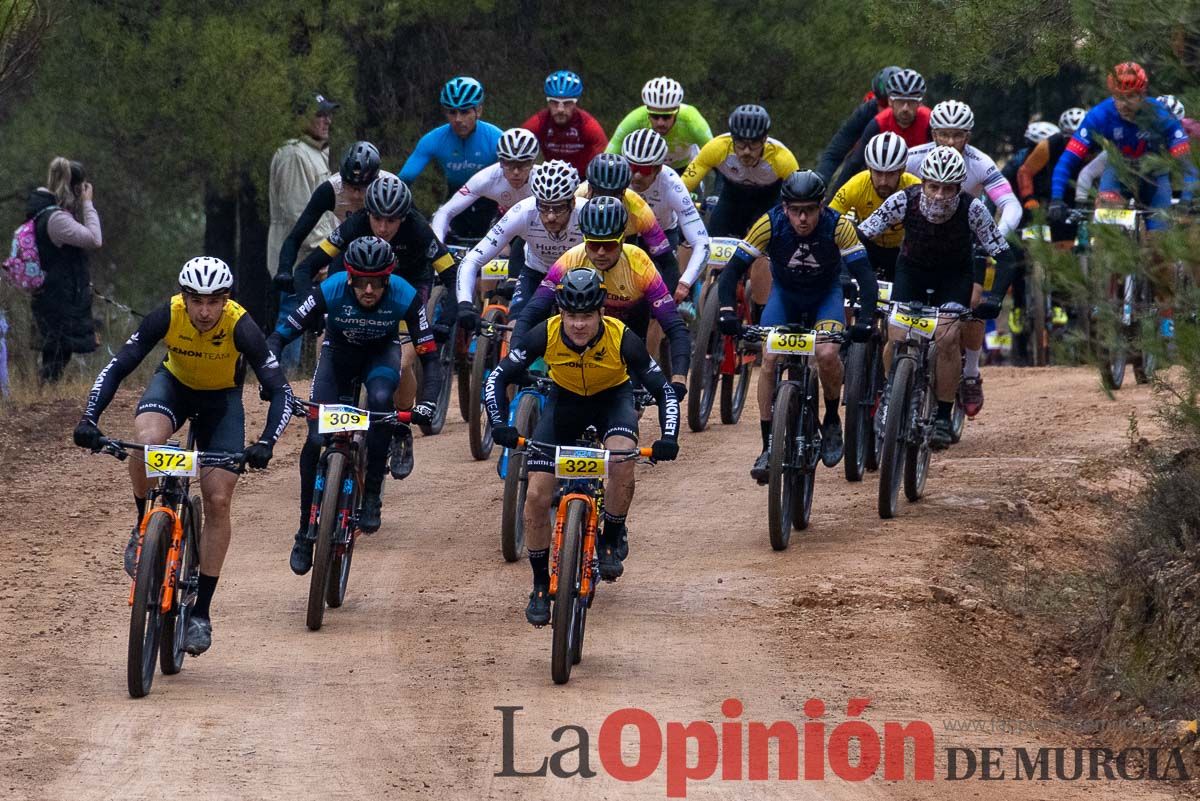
(661, 115)
(363, 281)
(643, 169)
(604, 244)
(556, 208)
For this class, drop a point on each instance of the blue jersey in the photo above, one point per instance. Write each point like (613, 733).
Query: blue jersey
(458, 158)
(1155, 131)
(348, 322)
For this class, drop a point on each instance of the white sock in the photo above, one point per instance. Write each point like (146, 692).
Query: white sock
(971, 364)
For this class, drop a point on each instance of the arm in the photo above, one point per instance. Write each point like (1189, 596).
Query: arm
(512, 366)
(708, 158)
(459, 202)
(249, 341)
(989, 237)
(633, 120)
(751, 248)
(663, 309)
(312, 264)
(309, 315)
(843, 141)
(152, 328)
(1000, 191)
(594, 138)
(63, 229)
(643, 221)
(415, 164)
(422, 337)
(854, 255)
(1181, 149)
(486, 249)
(694, 232)
(1068, 163)
(889, 213)
(539, 306)
(647, 372)
(322, 200)
(1037, 159)
(1088, 177)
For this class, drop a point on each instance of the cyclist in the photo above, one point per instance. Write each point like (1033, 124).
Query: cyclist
(1033, 179)
(807, 244)
(635, 290)
(952, 122)
(887, 157)
(362, 310)
(663, 109)
(904, 116)
(852, 129)
(1137, 126)
(209, 339)
(389, 215)
(549, 227)
(504, 183)
(662, 188)
(564, 130)
(940, 222)
(610, 174)
(592, 358)
(462, 147)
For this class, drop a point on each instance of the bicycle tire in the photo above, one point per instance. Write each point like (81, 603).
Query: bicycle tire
(895, 435)
(858, 408)
(958, 419)
(170, 651)
(445, 352)
(734, 389)
(567, 600)
(707, 353)
(516, 482)
(1146, 332)
(145, 616)
(318, 583)
(781, 461)
(916, 459)
(877, 384)
(484, 360)
(339, 571)
(805, 479)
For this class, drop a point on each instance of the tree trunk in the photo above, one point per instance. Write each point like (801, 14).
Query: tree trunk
(254, 281)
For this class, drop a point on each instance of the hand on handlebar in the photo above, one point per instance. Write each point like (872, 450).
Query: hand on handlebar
(729, 323)
(505, 436)
(87, 435)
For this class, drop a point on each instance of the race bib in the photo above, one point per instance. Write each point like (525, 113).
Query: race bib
(495, 270)
(164, 461)
(721, 249)
(885, 293)
(337, 418)
(1034, 233)
(580, 462)
(1124, 218)
(791, 344)
(923, 326)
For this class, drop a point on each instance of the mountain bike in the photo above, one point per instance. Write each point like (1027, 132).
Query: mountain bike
(167, 578)
(720, 364)
(337, 495)
(574, 566)
(487, 348)
(795, 444)
(523, 414)
(906, 419)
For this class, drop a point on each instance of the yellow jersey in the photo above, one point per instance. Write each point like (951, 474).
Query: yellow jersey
(859, 195)
(599, 367)
(777, 163)
(203, 361)
(641, 216)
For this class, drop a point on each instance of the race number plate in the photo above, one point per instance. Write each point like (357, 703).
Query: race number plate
(789, 343)
(580, 463)
(885, 293)
(1033, 233)
(169, 462)
(721, 250)
(495, 270)
(336, 418)
(1125, 218)
(922, 326)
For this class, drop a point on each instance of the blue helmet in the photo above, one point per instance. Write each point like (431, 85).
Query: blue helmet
(461, 93)
(563, 83)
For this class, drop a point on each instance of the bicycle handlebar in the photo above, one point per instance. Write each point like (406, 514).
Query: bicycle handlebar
(120, 448)
(759, 333)
(310, 410)
(622, 455)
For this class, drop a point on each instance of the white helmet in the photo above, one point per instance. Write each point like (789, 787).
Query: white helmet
(517, 144)
(205, 275)
(1173, 104)
(554, 180)
(944, 165)
(1070, 119)
(952, 114)
(645, 146)
(887, 152)
(662, 94)
(1037, 131)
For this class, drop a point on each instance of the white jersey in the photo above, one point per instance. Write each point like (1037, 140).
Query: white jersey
(542, 248)
(982, 176)
(488, 183)
(672, 205)
(1089, 176)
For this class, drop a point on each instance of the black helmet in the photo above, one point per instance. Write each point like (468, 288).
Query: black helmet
(880, 83)
(803, 186)
(609, 172)
(369, 255)
(580, 290)
(603, 217)
(360, 164)
(389, 197)
(749, 122)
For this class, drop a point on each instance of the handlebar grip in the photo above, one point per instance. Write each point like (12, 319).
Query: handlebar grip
(522, 442)
(404, 417)
(645, 452)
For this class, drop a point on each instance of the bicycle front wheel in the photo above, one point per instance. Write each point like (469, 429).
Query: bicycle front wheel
(708, 350)
(916, 457)
(809, 450)
(145, 617)
(484, 360)
(895, 428)
(858, 410)
(187, 578)
(445, 353)
(327, 523)
(567, 603)
(782, 461)
(516, 482)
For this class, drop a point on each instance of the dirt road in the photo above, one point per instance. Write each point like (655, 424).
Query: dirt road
(395, 697)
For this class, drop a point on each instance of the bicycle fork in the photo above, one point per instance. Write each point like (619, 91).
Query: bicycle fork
(588, 551)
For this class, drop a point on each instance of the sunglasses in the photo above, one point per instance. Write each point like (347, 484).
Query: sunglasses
(556, 208)
(566, 101)
(364, 281)
(603, 244)
(643, 169)
(662, 115)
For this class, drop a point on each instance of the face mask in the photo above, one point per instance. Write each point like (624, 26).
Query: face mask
(938, 211)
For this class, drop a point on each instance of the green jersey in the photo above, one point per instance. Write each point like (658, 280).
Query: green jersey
(686, 137)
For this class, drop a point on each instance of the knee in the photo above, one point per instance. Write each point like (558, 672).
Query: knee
(217, 501)
(379, 398)
(827, 358)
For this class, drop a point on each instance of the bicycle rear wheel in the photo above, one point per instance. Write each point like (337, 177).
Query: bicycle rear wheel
(484, 360)
(858, 410)
(708, 349)
(567, 603)
(809, 452)
(145, 617)
(327, 522)
(445, 352)
(782, 463)
(187, 578)
(895, 435)
(516, 482)
(734, 389)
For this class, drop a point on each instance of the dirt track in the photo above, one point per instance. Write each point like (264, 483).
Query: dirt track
(395, 696)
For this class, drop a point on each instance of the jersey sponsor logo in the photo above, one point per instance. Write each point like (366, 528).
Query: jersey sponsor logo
(196, 354)
(464, 190)
(219, 338)
(432, 250)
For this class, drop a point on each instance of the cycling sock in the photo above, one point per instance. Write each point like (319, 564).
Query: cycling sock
(831, 410)
(540, 562)
(971, 363)
(756, 311)
(208, 585)
(614, 527)
(944, 409)
(766, 432)
(141, 509)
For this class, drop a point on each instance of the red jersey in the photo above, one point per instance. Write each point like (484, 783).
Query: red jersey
(916, 134)
(576, 143)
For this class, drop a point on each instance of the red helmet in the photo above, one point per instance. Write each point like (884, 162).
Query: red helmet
(1127, 79)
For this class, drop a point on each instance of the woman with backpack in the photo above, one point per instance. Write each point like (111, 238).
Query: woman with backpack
(62, 306)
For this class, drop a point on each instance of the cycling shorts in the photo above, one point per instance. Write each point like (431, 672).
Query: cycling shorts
(821, 308)
(950, 284)
(566, 416)
(883, 260)
(220, 418)
(1153, 192)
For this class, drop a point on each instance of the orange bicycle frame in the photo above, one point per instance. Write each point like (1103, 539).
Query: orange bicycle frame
(173, 553)
(589, 542)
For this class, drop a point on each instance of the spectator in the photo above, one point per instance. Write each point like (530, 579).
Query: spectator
(564, 130)
(297, 169)
(62, 307)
